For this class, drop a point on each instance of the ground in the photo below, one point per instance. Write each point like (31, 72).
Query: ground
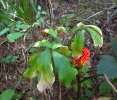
(11, 74)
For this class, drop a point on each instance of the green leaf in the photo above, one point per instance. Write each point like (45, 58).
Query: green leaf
(96, 36)
(7, 94)
(2, 60)
(51, 32)
(64, 49)
(43, 12)
(78, 44)
(32, 50)
(7, 61)
(23, 26)
(114, 45)
(104, 88)
(16, 97)
(43, 43)
(9, 57)
(107, 65)
(56, 45)
(63, 29)
(89, 93)
(4, 31)
(39, 7)
(32, 71)
(13, 36)
(41, 63)
(88, 83)
(75, 29)
(46, 70)
(62, 66)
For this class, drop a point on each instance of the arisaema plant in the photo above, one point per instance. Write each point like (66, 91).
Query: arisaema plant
(56, 58)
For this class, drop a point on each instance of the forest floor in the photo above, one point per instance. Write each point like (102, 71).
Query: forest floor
(90, 12)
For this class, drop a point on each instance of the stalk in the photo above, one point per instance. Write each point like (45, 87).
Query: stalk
(105, 77)
(79, 84)
(90, 77)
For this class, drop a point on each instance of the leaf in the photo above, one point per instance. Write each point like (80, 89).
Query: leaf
(63, 29)
(32, 71)
(13, 36)
(97, 29)
(64, 49)
(89, 93)
(78, 44)
(43, 43)
(7, 94)
(107, 65)
(9, 57)
(104, 88)
(114, 45)
(46, 70)
(62, 66)
(51, 32)
(76, 29)
(32, 50)
(56, 45)
(5, 30)
(44, 12)
(39, 7)
(41, 63)
(88, 83)
(96, 36)
(23, 26)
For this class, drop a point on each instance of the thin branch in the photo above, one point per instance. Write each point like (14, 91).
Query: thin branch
(99, 13)
(109, 83)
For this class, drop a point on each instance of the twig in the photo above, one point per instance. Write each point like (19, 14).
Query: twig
(109, 83)
(3, 42)
(98, 13)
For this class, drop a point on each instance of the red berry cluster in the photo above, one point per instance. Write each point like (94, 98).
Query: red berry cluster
(81, 61)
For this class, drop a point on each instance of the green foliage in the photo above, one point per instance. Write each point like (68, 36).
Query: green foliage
(87, 83)
(96, 37)
(114, 46)
(5, 30)
(89, 93)
(13, 36)
(64, 50)
(107, 65)
(65, 71)
(78, 44)
(104, 88)
(41, 63)
(51, 32)
(23, 11)
(9, 59)
(7, 94)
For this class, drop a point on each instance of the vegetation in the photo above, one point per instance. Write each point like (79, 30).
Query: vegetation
(55, 54)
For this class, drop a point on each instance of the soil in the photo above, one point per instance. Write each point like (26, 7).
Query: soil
(11, 74)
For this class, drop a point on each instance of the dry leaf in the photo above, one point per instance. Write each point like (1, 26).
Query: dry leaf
(61, 33)
(43, 33)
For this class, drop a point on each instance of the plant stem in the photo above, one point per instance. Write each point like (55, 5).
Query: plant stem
(105, 77)
(79, 85)
(18, 83)
(90, 77)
